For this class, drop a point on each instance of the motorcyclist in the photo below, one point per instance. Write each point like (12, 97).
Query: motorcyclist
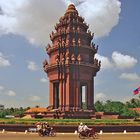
(38, 126)
(80, 127)
(86, 129)
(47, 128)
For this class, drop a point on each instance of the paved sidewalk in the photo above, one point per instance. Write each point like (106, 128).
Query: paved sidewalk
(65, 136)
(35, 133)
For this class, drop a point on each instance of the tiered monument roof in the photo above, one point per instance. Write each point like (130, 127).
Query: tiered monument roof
(71, 33)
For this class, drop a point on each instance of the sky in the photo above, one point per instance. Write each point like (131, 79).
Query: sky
(25, 26)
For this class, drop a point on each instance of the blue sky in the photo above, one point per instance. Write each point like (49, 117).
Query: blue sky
(23, 37)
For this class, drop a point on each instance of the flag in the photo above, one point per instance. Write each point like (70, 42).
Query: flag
(136, 91)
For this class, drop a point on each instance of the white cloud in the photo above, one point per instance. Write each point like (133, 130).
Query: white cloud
(1, 88)
(43, 80)
(123, 61)
(7, 17)
(75, 2)
(34, 98)
(101, 15)
(31, 18)
(3, 61)
(11, 93)
(105, 62)
(100, 96)
(6, 91)
(32, 66)
(119, 61)
(130, 76)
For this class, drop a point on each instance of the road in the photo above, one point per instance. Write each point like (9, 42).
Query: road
(22, 136)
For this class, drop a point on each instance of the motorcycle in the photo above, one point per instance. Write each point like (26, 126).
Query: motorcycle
(44, 132)
(89, 134)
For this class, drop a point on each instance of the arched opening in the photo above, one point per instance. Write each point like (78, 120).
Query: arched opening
(56, 94)
(84, 96)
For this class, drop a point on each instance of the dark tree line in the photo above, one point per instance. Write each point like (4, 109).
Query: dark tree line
(13, 111)
(124, 109)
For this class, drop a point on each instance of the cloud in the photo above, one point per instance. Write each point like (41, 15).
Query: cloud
(1, 12)
(31, 18)
(43, 80)
(32, 66)
(1, 88)
(75, 2)
(100, 96)
(35, 19)
(3, 61)
(105, 62)
(101, 15)
(130, 76)
(119, 61)
(123, 61)
(7, 18)
(34, 98)
(11, 93)
(6, 91)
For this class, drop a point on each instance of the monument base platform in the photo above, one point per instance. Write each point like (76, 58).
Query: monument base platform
(71, 114)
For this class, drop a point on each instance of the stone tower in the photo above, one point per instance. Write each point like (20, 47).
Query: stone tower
(72, 65)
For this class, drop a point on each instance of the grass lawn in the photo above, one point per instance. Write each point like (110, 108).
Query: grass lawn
(70, 121)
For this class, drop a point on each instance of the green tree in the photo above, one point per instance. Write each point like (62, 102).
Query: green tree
(114, 106)
(99, 106)
(133, 103)
(129, 113)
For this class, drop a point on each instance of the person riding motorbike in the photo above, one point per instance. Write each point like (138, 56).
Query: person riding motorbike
(80, 127)
(86, 129)
(86, 132)
(47, 128)
(39, 127)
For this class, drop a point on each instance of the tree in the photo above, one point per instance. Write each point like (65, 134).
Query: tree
(129, 113)
(133, 103)
(99, 106)
(114, 106)
(37, 106)
(118, 107)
